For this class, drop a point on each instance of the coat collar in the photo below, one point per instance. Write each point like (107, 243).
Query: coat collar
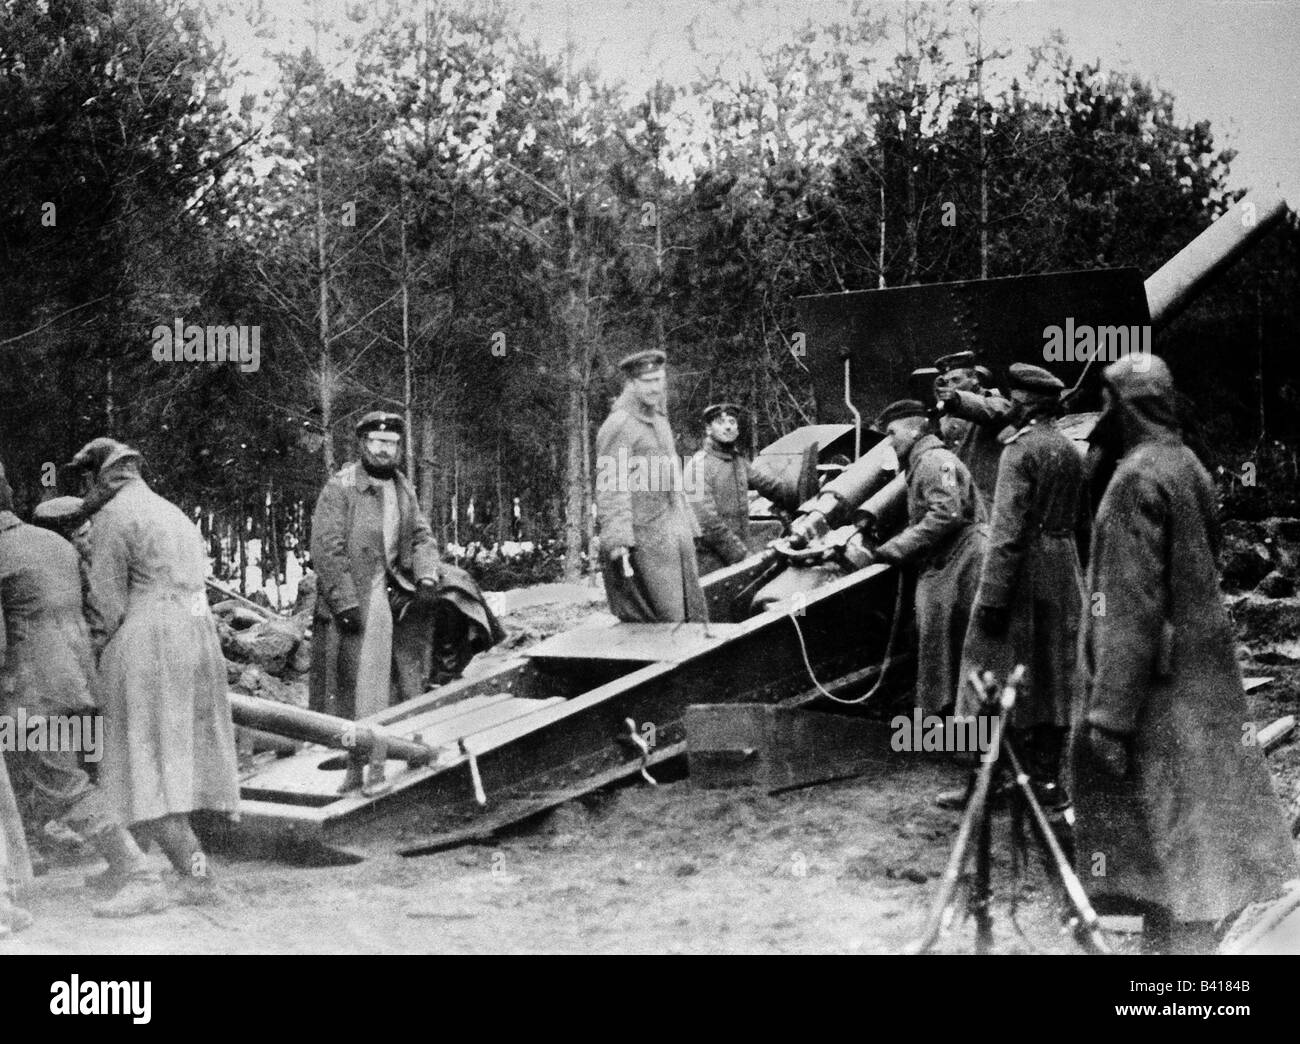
(721, 452)
(922, 446)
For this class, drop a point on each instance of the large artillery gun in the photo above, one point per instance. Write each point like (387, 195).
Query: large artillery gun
(795, 625)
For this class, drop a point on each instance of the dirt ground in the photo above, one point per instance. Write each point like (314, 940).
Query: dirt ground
(849, 867)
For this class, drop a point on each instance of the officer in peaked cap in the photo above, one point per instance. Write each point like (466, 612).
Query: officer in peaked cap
(643, 364)
(647, 528)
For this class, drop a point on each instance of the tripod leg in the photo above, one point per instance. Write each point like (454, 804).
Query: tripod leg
(982, 892)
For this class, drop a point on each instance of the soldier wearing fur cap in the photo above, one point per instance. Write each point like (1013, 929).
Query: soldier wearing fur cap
(1167, 786)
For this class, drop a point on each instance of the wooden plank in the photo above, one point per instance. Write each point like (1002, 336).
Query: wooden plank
(1251, 684)
(517, 811)
(636, 643)
(303, 775)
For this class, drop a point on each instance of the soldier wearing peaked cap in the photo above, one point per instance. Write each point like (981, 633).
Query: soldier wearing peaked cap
(944, 540)
(647, 528)
(972, 416)
(369, 536)
(1030, 593)
(718, 479)
(1164, 781)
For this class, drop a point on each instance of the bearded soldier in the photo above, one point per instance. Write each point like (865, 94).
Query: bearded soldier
(944, 538)
(718, 480)
(1177, 817)
(647, 529)
(972, 417)
(379, 576)
(1030, 591)
(169, 745)
(48, 673)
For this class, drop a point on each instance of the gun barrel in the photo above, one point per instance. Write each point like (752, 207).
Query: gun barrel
(1173, 286)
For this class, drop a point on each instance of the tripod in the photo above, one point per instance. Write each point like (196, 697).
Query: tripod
(976, 825)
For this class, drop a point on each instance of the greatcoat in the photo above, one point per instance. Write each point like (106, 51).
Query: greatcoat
(945, 537)
(1031, 569)
(641, 505)
(1195, 827)
(356, 675)
(169, 744)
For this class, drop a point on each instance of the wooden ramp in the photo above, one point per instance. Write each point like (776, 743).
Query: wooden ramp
(635, 642)
(313, 776)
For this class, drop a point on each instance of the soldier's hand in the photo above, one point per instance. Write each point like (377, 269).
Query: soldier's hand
(945, 395)
(1108, 753)
(349, 620)
(992, 620)
(426, 591)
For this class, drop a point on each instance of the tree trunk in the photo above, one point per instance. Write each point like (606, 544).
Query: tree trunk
(326, 376)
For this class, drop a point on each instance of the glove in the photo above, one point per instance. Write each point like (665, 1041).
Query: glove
(944, 396)
(426, 591)
(349, 620)
(1108, 753)
(992, 620)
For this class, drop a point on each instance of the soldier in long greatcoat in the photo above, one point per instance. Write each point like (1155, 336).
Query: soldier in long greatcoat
(1176, 812)
(169, 744)
(15, 866)
(1030, 592)
(379, 576)
(647, 528)
(718, 480)
(944, 538)
(47, 674)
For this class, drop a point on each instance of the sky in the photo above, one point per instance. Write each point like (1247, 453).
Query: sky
(1233, 62)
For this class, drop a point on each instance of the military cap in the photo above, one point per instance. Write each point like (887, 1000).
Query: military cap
(955, 361)
(1140, 376)
(713, 411)
(97, 454)
(380, 420)
(897, 411)
(638, 364)
(58, 511)
(1034, 379)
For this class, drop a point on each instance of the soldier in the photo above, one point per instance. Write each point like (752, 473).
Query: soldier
(1176, 812)
(973, 415)
(718, 479)
(647, 530)
(47, 673)
(15, 867)
(169, 745)
(1030, 592)
(944, 538)
(379, 576)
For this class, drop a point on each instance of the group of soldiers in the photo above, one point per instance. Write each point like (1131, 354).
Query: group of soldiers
(1132, 711)
(105, 613)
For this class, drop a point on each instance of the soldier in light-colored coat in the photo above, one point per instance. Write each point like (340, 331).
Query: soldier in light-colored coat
(647, 529)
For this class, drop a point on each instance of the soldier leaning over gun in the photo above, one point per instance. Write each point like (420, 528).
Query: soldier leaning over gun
(1177, 817)
(1030, 592)
(944, 538)
(718, 479)
(972, 417)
